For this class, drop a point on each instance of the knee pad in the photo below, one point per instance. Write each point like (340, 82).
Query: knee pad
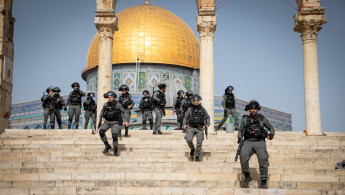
(114, 135)
(102, 133)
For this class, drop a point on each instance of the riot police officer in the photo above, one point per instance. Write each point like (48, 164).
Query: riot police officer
(186, 103)
(127, 103)
(90, 108)
(48, 105)
(146, 107)
(159, 102)
(254, 133)
(195, 119)
(177, 108)
(59, 104)
(229, 107)
(74, 102)
(111, 112)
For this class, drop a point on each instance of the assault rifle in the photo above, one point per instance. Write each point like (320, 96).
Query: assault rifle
(239, 149)
(206, 133)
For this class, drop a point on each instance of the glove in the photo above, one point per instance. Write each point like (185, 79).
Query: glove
(271, 136)
(65, 108)
(239, 140)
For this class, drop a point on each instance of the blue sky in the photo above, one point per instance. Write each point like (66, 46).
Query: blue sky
(255, 50)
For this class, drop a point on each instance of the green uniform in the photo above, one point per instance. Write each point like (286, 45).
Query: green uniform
(254, 132)
(112, 112)
(74, 110)
(196, 118)
(58, 107)
(229, 107)
(159, 102)
(48, 105)
(146, 107)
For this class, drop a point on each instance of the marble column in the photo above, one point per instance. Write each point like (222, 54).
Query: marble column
(308, 22)
(206, 28)
(106, 23)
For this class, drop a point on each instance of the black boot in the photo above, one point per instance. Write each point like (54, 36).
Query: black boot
(151, 125)
(119, 135)
(45, 127)
(115, 152)
(76, 126)
(197, 159)
(264, 184)
(69, 126)
(107, 147)
(126, 131)
(246, 180)
(192, 152)
(60, 126)
(52, 127)
(159, 132)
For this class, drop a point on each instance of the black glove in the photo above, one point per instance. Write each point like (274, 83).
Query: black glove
(271, 136)
(65, 108)
(239, 140)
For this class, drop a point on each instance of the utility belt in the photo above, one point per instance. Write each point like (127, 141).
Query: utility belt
(230, 107)
(75, 103)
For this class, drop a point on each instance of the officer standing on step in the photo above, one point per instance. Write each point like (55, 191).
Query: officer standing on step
(185, 104)
(177, 108)
(159, 103)
(111, 112)
(146, 106)
(48, 105)
(74, 102)
(195, 119)
(127, 103)
(59, 104)
(229, 107)
(90, 108)
(254, 133)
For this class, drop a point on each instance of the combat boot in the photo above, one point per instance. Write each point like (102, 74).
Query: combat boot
(44, 127)
(154, 133)
(69, 126)
(107, 147)
(159, 132)
(60, 126)
(115, 152)
(264, 184)
(52, 127)
(151, 125)
(76, 126)
(197, 159)
(246, 180)
(192, 152)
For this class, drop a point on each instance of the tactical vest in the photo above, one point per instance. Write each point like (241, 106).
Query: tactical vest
(178, 102)
(254, 128)
(146, 105)
(125, 101)
(197, 117)
(230, 101)
(111, 113)
(75, 98)
(48, 103)
(187, 104)
(58, 105)
(162, 99)
(90, 107)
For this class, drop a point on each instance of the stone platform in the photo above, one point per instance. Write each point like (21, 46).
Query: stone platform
(72, 162)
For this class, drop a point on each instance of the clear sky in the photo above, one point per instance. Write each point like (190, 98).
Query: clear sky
(256, 51)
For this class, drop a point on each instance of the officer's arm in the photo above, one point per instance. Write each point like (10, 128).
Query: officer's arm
(119, 106)
(174, 107)
(207, 118)
(44, 98)
(182, 104)
(141, 103)
(155, 97)
(82, 93)
(102, 112)
(87, 102)
(132, 101)
(223, 102)
(241, 130)
(62, 102)
(67, 102)
(185, 118)
(268, 125)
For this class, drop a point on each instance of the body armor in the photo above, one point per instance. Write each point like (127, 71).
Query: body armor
(254, 128)
(75, 98)
(58, 105)
(187, 104)
(162, 99)
(146, 105)
(111, 113)
(91, 106)
(178, 102)
(48, 103)
(125, 100)
(197, 117)
(230, 101)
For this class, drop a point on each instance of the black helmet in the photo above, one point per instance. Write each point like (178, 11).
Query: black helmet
(189, 93)
(56, 89)
(196, 97)
(49, 89)
(89, 94)
(75, 84)
(162, 86)
(146, 91)
(229, 88)
(124, 87)
(253, 104)
(180, 92)
(110, 93)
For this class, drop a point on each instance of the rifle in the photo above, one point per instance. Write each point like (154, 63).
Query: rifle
(239, 149)
(99, 124)
(206, 133)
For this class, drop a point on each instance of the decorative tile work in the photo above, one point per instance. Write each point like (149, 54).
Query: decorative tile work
(130, 80)
(92, 84)
(154, 78)
(142, 81)
(165, 76)
(116, 81)
(187, 83)
(178, 79)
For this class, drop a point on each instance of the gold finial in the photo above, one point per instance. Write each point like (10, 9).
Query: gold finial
(147, 2)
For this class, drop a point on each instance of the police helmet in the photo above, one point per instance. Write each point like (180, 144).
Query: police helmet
(56, 89)
(146, 91)
(124, 87)
(162, 86)
(180, 92)
(196, 97)
(229, 88)
(75, 84)
(49, 89)
(110, 93)
(189, 93)
(89, 94)
(253, 104)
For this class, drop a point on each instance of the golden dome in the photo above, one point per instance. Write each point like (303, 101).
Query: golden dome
(152, 33)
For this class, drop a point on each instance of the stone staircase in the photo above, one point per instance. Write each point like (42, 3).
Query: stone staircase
(72, 162)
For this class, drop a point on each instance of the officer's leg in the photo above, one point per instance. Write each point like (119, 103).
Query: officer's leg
(235, 115)
(159, 121)
(114, 130)
(226, 115)
(87, 118)
(129, 112)
(150, 117)
(93, 117)
(261, 152)
(178, 114)
(157, 112)
(52, 119)
(105, 126)
(246, 153)
(144, 119)
(189, 138)
(45, 120)
(77, 115)
(58, 118)
(70, 116)
(199, 139)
